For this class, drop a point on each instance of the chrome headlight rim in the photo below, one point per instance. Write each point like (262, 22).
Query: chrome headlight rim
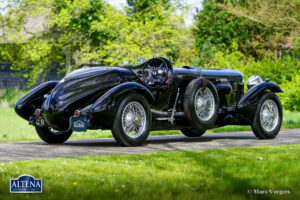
(253, 81)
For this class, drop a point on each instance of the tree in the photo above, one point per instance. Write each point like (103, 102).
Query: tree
(70, 35)
(82, 31)
(150, 34)
(141, 7)
(218, 29)
(283, 17)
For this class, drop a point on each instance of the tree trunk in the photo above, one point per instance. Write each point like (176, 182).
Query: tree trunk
(68, 61)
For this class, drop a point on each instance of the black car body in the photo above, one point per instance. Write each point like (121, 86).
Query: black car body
(171, 95)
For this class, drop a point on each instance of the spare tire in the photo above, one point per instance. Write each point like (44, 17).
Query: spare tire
(201, 104)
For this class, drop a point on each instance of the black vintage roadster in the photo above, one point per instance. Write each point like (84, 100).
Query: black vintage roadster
(132, 100)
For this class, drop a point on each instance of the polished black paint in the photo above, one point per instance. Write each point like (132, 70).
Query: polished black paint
(33, 99)
(105, 106)
(247, 104)
(97, 91)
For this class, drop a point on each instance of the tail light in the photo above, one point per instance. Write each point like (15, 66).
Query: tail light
(76, 113)
(37, 112)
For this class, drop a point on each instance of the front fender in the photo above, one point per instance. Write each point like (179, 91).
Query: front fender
(253, 94)
(25, 106)
(246, 106)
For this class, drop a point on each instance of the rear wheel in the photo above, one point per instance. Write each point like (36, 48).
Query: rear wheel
(132, 122)
(51, 136)
(192, 132)
(268, 117)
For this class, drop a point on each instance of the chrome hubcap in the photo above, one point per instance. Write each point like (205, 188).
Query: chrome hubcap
(204, 104)
(134, 119)
(269, 116)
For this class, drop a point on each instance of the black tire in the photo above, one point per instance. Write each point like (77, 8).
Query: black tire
(192, 132)
(189, 104)
(52, 137)
(257, 128)
(118, 132)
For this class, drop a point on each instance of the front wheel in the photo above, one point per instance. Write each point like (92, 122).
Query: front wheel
(192, 132)
(268, 117)
(132, 122)
(52, 137)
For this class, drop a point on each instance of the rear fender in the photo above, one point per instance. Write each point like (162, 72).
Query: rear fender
(111, 97)
(105, 108)
(29, 102)
(246, 106)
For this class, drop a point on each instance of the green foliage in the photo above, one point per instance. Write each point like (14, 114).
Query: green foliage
(216, 28)
(139, 8)
(146, 36)
(291, 96)
(70, 35)
(283, 71)
(82, 31)
(9, 97)
(283, 17)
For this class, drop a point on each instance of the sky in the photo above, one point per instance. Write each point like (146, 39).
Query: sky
(192, 4)
(119, 4)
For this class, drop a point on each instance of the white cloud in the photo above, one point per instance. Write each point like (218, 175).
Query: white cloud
(119, 4)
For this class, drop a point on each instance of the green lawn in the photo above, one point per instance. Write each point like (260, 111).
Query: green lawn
(208, 174)
(14, 128)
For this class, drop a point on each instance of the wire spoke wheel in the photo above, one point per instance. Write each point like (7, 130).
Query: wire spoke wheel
(269, 115)
(204, 104)
(134, 119)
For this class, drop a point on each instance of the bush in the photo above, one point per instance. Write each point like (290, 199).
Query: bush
(9, 97)
(283, 71)
(291, 96)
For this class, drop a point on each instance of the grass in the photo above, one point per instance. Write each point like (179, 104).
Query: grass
(9, 97)
(208, 174)
(14, 128)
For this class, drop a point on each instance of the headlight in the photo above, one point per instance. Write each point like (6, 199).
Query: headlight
(253, 81)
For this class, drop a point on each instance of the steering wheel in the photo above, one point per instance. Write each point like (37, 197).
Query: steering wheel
(155, 72)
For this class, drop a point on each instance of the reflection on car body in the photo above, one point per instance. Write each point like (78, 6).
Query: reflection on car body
(132, 100)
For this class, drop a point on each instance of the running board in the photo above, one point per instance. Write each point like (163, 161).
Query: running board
(166, 116)
(162, 119)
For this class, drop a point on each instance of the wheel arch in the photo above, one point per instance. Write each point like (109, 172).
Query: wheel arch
(246, 107)
(109, 100)
(24, 107)
(254, 93)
